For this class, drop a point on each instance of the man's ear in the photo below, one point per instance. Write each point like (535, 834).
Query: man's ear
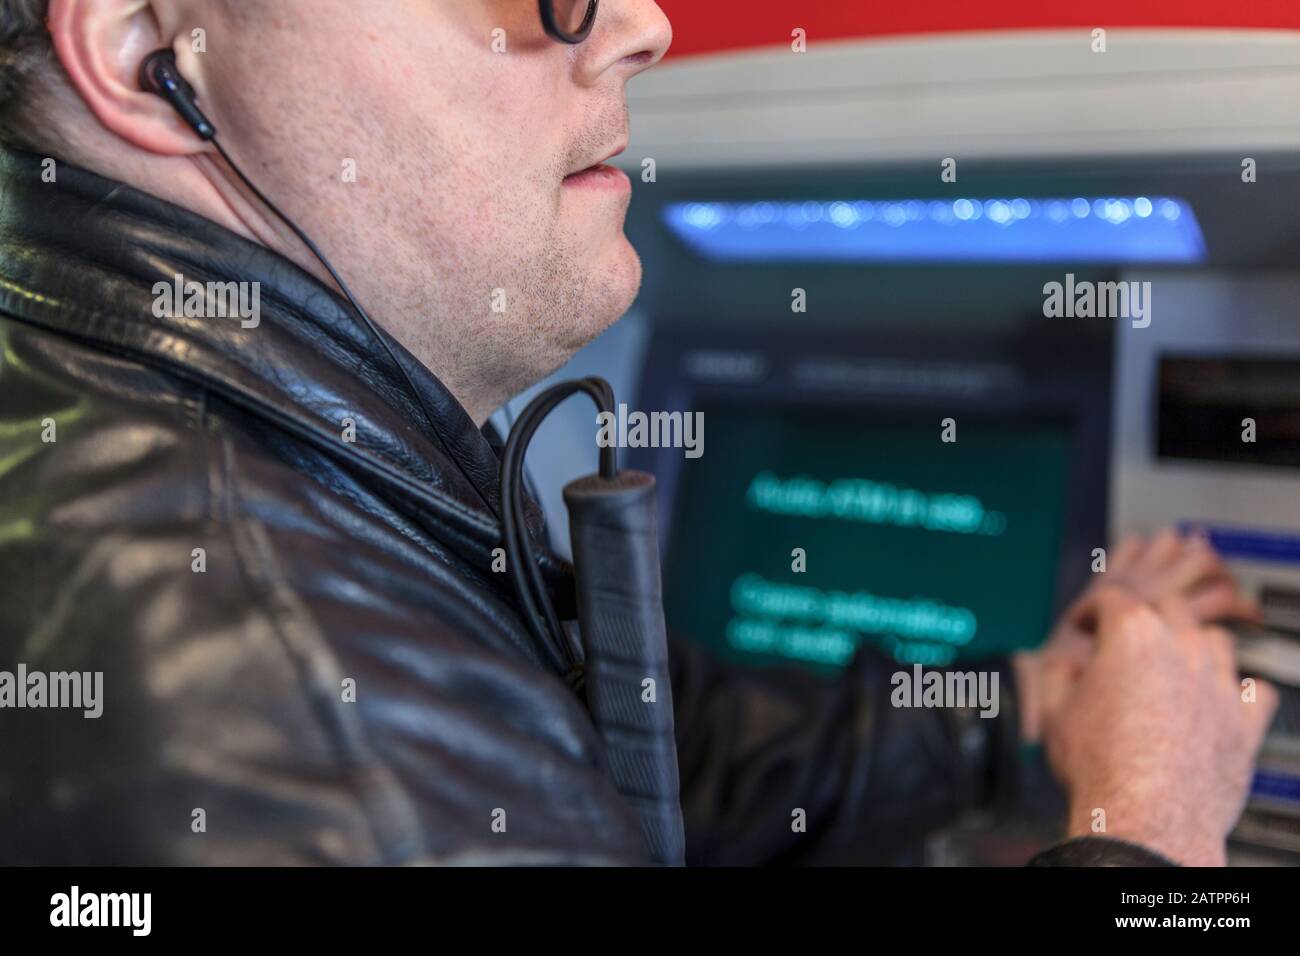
(101, 44)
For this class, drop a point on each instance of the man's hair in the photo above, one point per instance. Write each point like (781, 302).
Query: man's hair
(24, 47)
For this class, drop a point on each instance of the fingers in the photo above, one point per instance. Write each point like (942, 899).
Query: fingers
(1194, 562)
(1086, 612)
(1170, 563)
(1120, 615)
(1126, 553)
(1159, 554)
(1222, 600)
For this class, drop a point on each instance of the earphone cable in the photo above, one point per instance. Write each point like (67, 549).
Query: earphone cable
(343, 286)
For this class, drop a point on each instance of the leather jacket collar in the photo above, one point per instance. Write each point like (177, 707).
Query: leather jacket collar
(82, 256)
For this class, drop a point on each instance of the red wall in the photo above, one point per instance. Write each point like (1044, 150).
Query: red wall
(705, 26)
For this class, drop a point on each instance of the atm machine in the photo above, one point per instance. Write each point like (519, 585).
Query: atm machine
(1207, 436)
(839, 304)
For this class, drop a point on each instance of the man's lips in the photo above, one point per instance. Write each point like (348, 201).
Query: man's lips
(600, 176)
(600, 173)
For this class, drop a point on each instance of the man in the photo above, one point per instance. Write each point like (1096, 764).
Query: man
(284, 570)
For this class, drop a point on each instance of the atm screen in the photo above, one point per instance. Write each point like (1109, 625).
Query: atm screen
(800, 535)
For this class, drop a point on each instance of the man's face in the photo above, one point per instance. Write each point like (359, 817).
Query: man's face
(475, 229)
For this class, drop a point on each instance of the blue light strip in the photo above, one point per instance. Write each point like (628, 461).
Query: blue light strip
(1156, 229)
(1249, 544)
(1279, 786)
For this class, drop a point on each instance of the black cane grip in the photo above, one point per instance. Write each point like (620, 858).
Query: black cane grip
(620, 614)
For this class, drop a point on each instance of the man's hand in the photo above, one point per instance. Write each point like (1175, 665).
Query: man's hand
(1155, 738)
(1150, 570)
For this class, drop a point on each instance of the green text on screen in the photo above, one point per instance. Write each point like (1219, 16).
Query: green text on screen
(932, 552)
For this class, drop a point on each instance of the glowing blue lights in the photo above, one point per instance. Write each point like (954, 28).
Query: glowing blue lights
(1114, 229)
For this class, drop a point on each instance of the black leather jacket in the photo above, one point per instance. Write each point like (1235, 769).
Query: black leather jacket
(180, 510)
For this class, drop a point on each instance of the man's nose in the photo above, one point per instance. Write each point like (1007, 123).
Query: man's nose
(629, 35)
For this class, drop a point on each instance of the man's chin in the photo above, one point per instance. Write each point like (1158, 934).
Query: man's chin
(624, 280)
(613, 284)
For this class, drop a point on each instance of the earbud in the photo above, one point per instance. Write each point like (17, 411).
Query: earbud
(159, 75)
